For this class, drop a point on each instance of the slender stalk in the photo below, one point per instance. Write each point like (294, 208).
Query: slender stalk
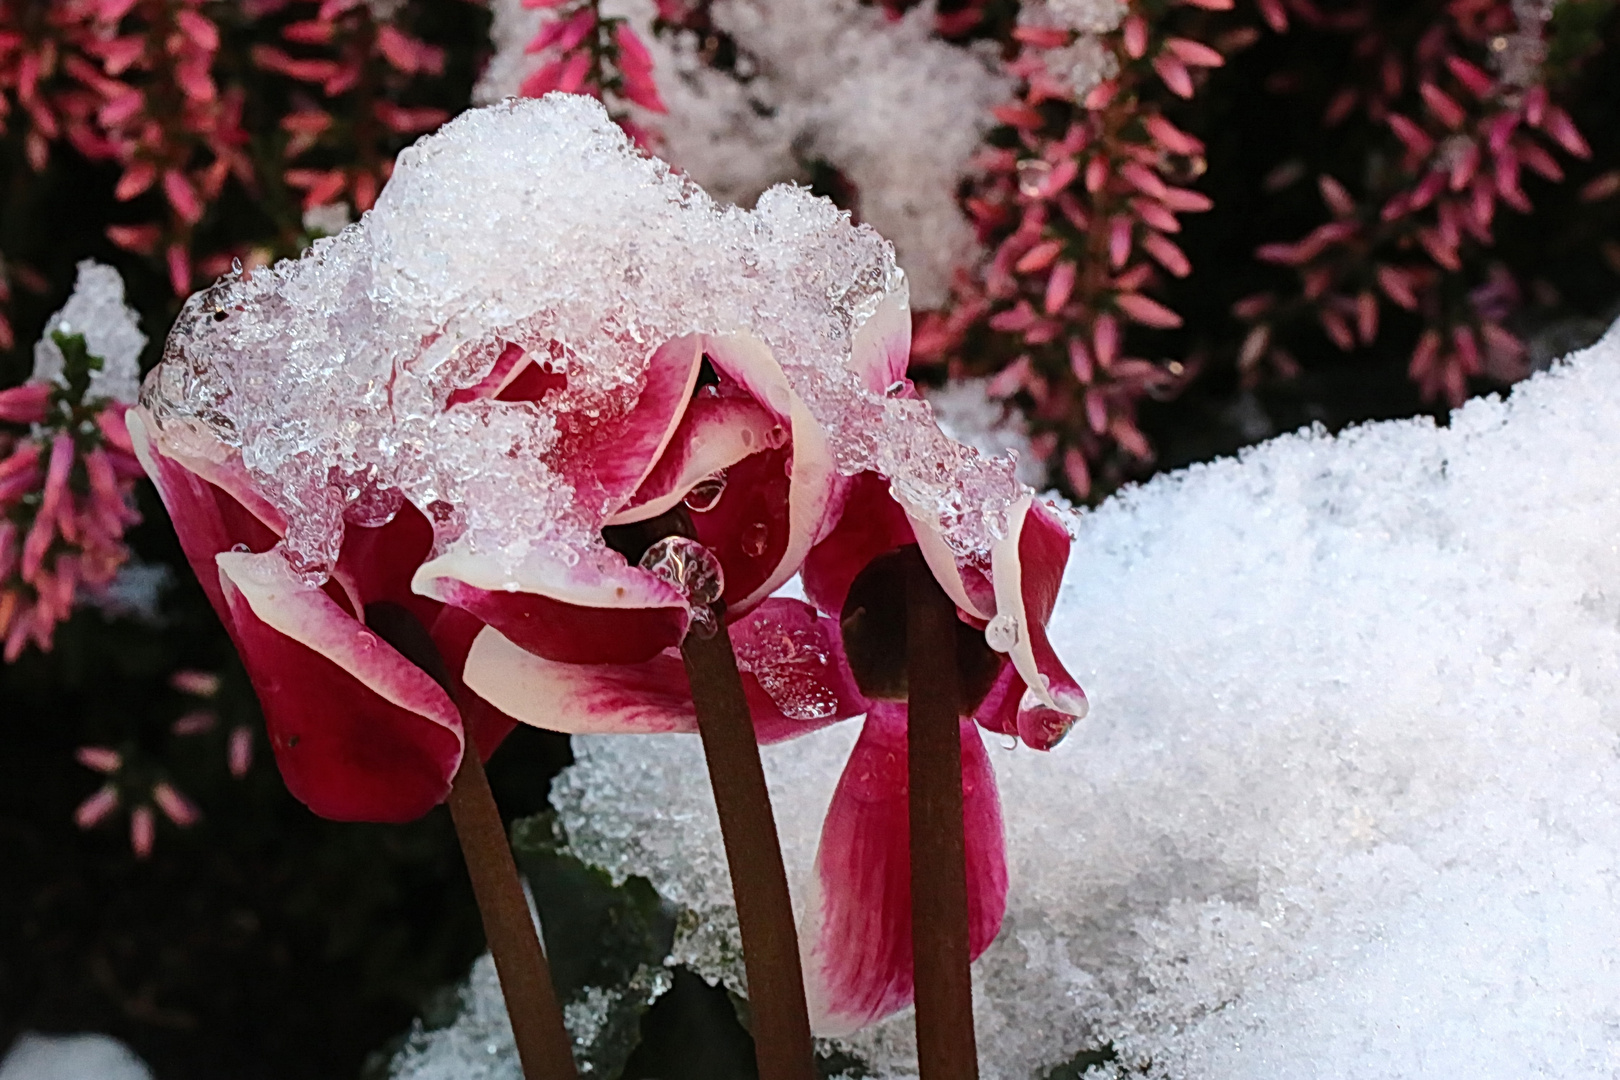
(781, 1024)
(531, 1001)
(537, 1025)
(946, 1049)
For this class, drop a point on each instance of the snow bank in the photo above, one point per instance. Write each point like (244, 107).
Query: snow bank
(1348, 800)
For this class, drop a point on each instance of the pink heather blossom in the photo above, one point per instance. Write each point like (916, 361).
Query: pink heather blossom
(69, 537)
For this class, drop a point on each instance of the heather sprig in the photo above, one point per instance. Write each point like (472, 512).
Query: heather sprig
(1465, 115)
(1081, 195)
(65, 497)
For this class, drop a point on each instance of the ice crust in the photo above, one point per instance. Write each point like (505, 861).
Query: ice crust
(533, 222)
(111, 331)
(1348, 800)
(969, 414)
(896, 110)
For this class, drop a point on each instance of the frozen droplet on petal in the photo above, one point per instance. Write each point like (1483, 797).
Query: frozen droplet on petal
(1001, 633)
(705, 494)
(687, 565)
(777, 437)
(754, 538)
(746, 437)
(896, 388)
(786, 661)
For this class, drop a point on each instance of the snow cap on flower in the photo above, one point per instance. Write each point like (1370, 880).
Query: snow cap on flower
(97, 310)
(467, 406)
(346, 381)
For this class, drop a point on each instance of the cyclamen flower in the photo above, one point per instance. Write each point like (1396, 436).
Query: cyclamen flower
(66, 481)
(478, 412)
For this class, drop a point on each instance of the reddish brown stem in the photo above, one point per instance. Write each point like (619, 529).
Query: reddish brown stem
(531, 1001)
(780, 1020)
(537, 1025)
(946, 1049)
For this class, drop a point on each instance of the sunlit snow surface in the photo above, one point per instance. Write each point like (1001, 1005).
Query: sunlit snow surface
(1347, 803)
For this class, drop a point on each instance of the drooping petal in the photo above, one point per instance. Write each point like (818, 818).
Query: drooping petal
(359, 732)
(1027, 570)
(792, 671)
(870, 524)
(856, 938)
(587, 613)
(998, 711)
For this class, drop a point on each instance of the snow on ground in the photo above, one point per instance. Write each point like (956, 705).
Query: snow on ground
(71, 1057)
(1348, 800)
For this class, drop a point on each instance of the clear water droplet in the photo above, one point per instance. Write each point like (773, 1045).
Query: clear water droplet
(236, 267)
(1001, 634)
(690, 567)
(241, 548)
(777, 437)
(896, 388)
(705, 494)
(746, 436)
(754, 538)
(1032, 174)
(1009, 741)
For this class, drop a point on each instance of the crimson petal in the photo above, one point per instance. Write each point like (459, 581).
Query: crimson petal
(359, 732)
(793, 673)
(856, 937)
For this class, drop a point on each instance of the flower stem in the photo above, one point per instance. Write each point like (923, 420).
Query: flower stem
(531, 1001)
(780, 1020)
(946, 1048)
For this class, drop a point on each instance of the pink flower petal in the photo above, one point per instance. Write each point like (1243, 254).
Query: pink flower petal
(856, 937)
(611, 459)
(1027, 569)
(360, 733)
(715, 434)
(871, 524)
(590, 613)
(654, 696)
(207, 519)
(814, 491)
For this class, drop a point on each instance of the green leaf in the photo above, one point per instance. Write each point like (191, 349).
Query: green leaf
(78, 362)
(606, 943)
